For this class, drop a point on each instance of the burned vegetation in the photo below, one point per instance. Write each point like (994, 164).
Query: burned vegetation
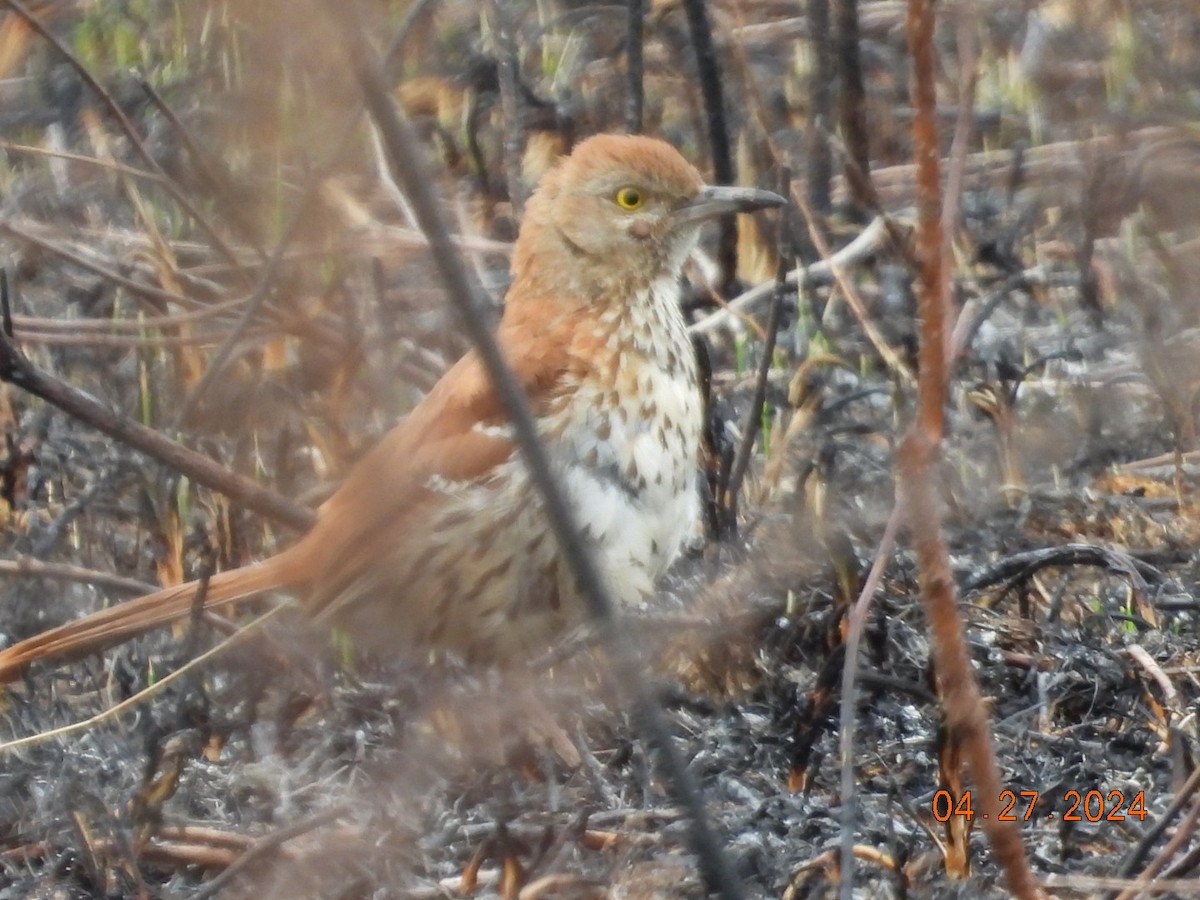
(217, 296)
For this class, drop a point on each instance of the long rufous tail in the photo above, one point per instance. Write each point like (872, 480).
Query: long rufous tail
(133, 617)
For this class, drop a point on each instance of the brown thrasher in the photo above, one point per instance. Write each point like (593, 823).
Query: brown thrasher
(437, 537)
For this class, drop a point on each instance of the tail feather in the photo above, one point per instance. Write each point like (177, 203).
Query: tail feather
(127, 620)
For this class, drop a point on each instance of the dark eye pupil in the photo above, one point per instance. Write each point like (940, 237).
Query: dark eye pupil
(630, 197)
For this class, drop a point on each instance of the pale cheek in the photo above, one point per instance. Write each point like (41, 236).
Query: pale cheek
(641, 231)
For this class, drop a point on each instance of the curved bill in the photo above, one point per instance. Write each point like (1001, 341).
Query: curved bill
(718, 201)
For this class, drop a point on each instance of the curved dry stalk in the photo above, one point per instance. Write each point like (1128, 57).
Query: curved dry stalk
(16, 369)
(127, 127)
(137, 288)
(146, 693)
(848, 717)
(869, 241)
(62, 339)
(109, 165)
(34, 325)
(29, 567)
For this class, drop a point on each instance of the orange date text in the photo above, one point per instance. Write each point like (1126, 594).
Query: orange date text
(1021, 806)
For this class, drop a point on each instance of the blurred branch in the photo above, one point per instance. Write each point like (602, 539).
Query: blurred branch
(709, 72)
(728, 504)
(635, 100)
(932, 283)
(1046, 165)
(510, 102)
(266, 280)
(28, 567)
(127, 127)
(820, 88)
(852, 105)
(266, 277)
(16, 369)
(872, 239)
(965, 18)
(468, 300)
(1020, 567)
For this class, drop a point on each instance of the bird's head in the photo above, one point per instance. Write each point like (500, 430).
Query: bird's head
(626, 206)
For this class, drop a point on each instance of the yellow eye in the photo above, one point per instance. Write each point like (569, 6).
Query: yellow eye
(629, 198)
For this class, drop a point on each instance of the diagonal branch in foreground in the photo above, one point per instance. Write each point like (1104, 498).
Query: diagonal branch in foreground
(400, 143)
(17, 370)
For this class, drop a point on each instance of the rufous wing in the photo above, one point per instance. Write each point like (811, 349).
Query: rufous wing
(378, 504)
(455, 435)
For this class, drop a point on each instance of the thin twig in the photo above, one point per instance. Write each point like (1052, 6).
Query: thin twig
(265, 845)
(127, 127)
(137, 288)
(108, 165)
(635, 98)
(510, 102)
(753, 420)
(16, 369)
(26, 325)
(231, 207)
(853, 299)
(47, 536)
(848, 720)
(1183, 834)
(1139, 853)
(146, 693)
(868, 242)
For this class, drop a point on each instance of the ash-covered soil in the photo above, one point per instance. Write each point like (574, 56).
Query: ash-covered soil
(289, 765)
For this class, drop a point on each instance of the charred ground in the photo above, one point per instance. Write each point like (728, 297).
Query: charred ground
(301, 769)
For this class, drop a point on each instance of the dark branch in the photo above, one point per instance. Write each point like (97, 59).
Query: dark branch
(16, 369)
(397, 138)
